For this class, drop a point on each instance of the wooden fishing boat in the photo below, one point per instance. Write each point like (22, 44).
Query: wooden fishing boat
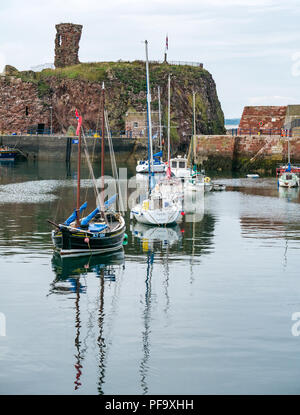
(100, 232)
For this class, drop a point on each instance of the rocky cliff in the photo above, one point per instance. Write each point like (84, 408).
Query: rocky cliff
(26, 97)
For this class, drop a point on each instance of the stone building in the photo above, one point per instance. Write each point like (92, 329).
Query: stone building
(292, 119)
(136, 124)
(262, 119)
(67, 44)
(270, 120)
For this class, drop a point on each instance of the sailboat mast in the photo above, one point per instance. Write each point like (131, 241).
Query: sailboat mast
(102, 148)
(194, 124)
(149, 111)
(289, 155)
(194, 113)
(78, 180)
(169, 110)
(159, 117)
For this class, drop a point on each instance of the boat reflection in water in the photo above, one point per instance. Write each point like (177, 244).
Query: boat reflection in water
(152, 240)
(151, 237)
(289, 193)
(65, 267)
(69, 272)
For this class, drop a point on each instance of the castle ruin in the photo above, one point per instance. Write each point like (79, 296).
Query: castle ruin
(67, 44)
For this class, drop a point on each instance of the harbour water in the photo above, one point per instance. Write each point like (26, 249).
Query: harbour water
(204, 307)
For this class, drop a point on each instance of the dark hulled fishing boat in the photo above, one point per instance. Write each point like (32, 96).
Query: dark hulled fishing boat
(97, 237)
(103, 230)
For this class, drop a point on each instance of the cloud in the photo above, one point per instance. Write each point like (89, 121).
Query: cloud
(247, 44)
(272, 100)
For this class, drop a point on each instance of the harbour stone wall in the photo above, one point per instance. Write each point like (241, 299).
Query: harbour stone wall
(226, 152)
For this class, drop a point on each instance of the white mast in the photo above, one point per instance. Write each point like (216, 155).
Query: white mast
(159, 116)
(194, 110)
(169, 105)
(149, 106)
(194, 124)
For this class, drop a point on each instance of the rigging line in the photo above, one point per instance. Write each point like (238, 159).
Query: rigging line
(93, 154)
(113, 162)
(98, 199)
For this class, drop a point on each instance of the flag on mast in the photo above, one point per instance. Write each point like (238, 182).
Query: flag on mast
(167, 42)
(79, 119)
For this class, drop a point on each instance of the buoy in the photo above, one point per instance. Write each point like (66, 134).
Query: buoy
(182, 213)
(207, 179)
(125, 240)
(86, 240)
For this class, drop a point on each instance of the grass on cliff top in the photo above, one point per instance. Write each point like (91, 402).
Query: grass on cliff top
(122, 71)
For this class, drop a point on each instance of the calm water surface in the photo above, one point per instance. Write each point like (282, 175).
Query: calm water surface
(201, 308)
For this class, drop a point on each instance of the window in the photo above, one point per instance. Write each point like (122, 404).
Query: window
(182, 165)
(273, 119)
(174, 164)
(26, 111)
(135, 124)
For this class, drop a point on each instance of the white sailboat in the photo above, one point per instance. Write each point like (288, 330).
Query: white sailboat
(159, 207)
(289, 175)
(170, 185)
(196, 182)
(158, 166)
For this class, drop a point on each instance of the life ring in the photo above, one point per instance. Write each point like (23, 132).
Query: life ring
(260, 123)
(207, 179)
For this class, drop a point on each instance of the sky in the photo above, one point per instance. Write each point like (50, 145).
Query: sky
(251, 47)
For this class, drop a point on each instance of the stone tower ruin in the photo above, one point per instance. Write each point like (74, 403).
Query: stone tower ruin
(67, 44)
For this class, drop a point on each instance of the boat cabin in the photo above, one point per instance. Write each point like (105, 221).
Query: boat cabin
(179, 163)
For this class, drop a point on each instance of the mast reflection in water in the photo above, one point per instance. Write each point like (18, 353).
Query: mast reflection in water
(153, 240)
(69, 273)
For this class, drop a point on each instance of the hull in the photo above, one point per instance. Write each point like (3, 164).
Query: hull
(181, 173)
(208, 187)
(144, 168)
(194, 187)
(218, 187)
(288, 180)
(283, 183)
(7, 155)
(156, 217)
(72, 242)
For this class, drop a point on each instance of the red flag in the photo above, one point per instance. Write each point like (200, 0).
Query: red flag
(79, 118)
(169, 174)
(167, 42)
